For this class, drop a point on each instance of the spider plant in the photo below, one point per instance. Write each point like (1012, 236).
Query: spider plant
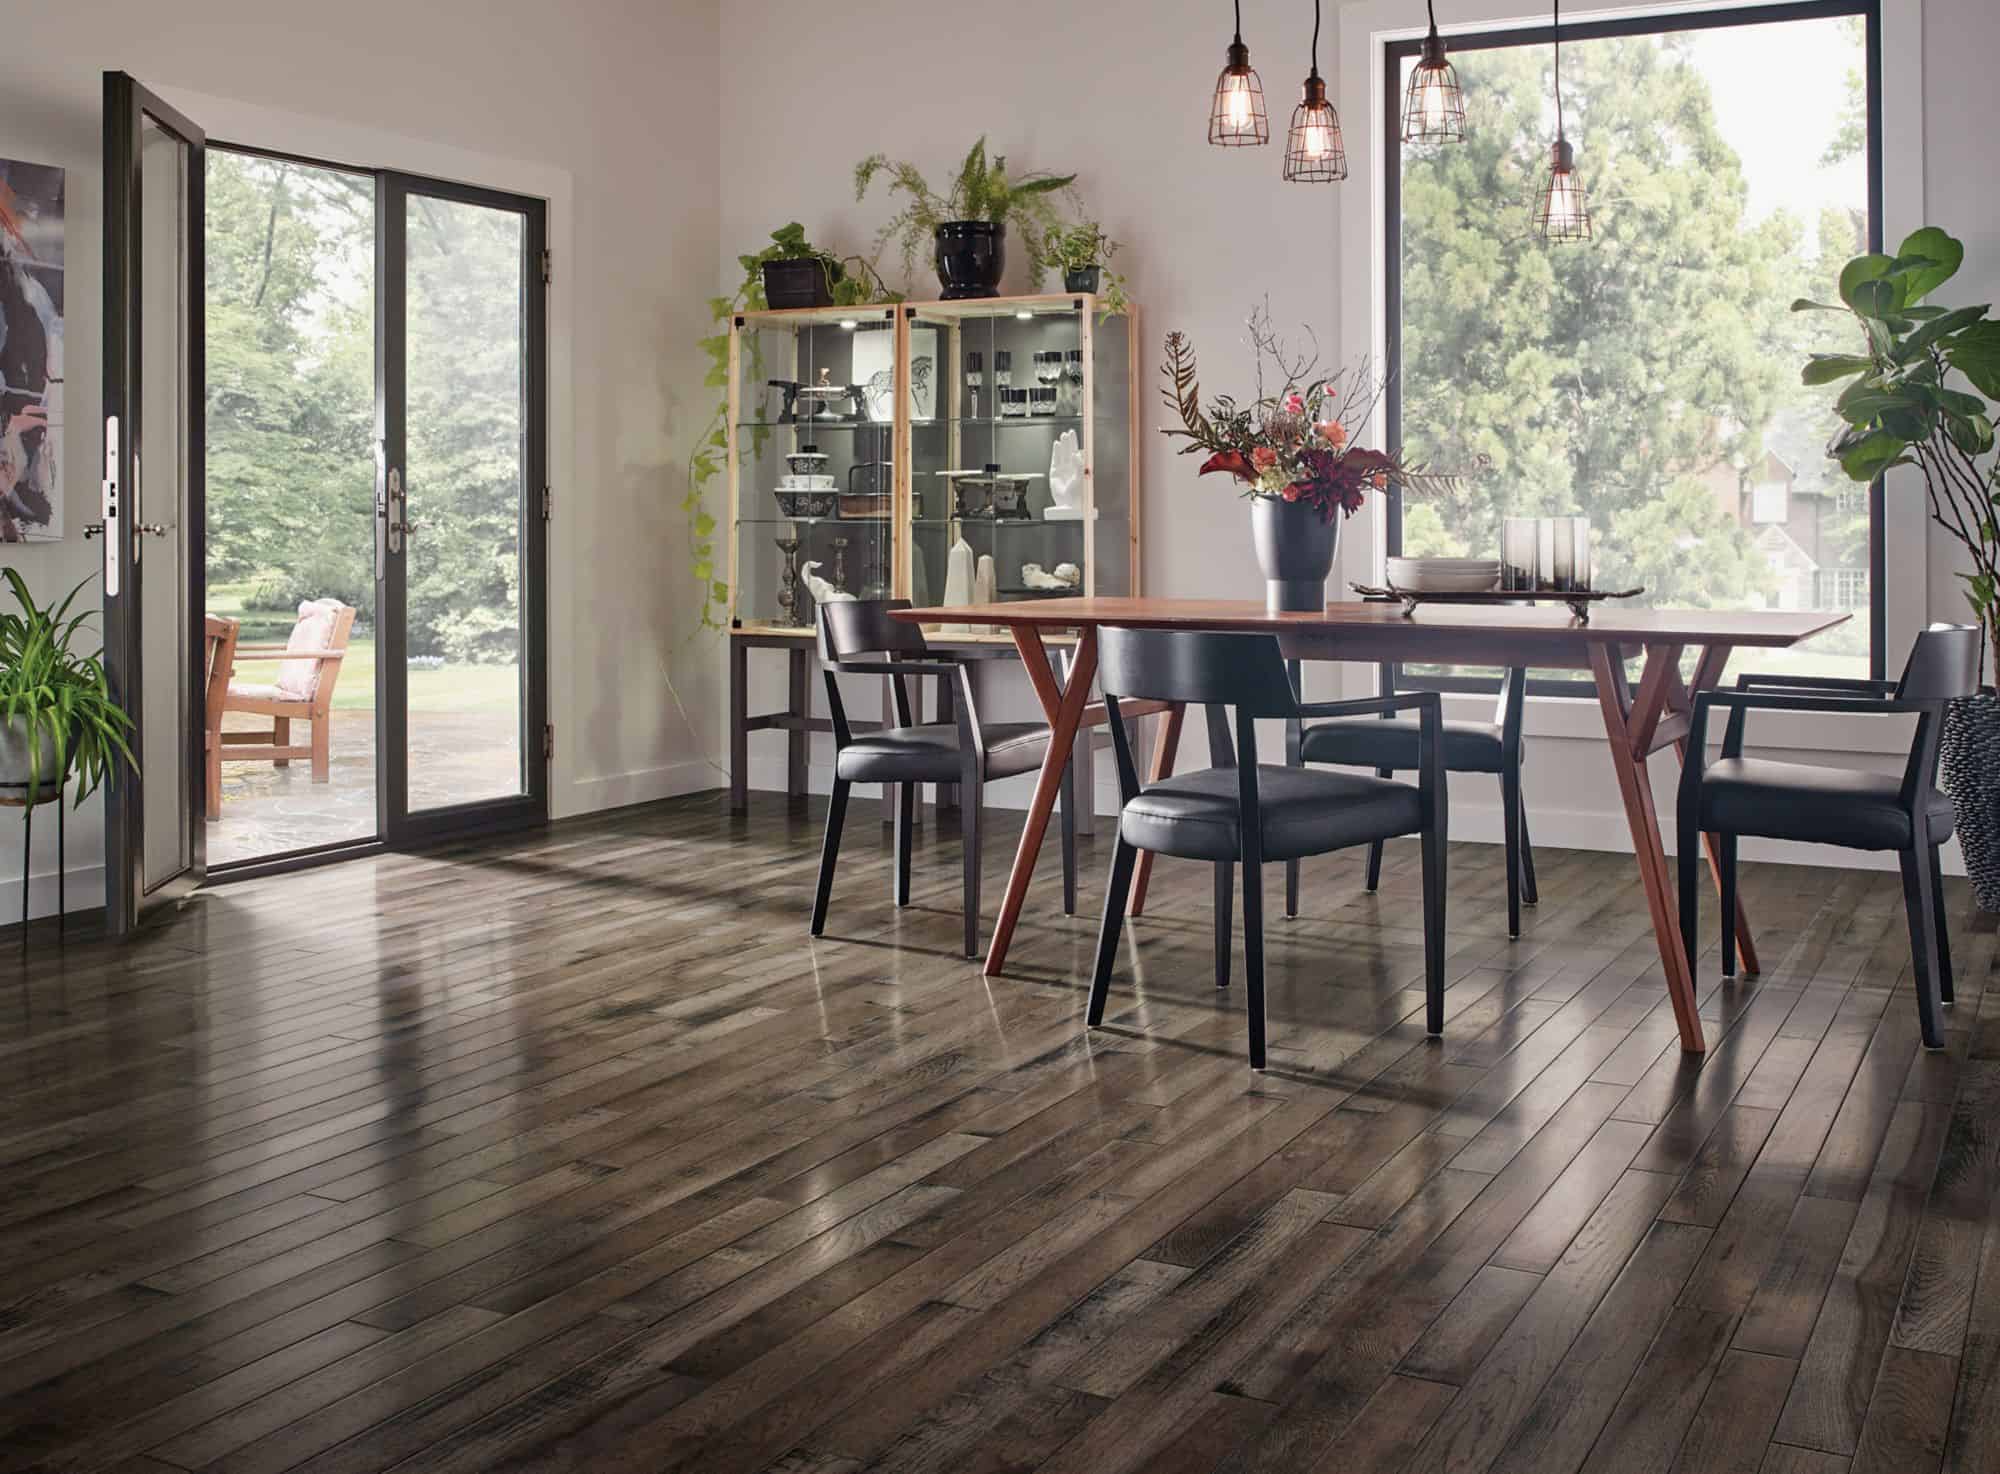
(55, 697)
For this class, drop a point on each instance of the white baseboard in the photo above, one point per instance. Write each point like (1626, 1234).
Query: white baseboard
(1472, 823)
(641, 785)
(83, 890)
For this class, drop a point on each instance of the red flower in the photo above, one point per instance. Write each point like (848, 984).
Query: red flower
(1234, 462)
(1263, 458)
(1294, 404)
(1291, 493)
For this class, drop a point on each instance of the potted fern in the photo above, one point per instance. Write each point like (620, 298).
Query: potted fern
(57, 718)
(966, 227)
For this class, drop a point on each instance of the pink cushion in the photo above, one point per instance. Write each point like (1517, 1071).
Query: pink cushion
(297, 679)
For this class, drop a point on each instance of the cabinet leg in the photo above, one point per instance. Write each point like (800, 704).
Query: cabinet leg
(798, 739)
(739, 727)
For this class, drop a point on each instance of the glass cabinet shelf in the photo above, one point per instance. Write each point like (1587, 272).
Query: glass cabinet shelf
(912, 394)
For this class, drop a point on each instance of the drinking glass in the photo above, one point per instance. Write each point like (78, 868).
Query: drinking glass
(975, 377)
(1580, 570)
(1517, 554)
(1545, 554)
(1562, 546)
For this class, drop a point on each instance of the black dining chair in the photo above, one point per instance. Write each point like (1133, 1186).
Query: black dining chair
(1736, 795)
(967, 751)
(1388, 744)
(1243, 812)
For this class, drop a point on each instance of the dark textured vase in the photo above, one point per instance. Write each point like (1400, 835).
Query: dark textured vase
(1970, 768)
(971, 256)
(1295, 548)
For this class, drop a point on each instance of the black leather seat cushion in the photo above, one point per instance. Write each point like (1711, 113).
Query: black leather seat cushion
(1372, 742)
(1818, 805)
(1305, 811)
(929, 754)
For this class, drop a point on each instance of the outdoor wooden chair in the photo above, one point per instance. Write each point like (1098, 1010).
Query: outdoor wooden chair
(308, 666)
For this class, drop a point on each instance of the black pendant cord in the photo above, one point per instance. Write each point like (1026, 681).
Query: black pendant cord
(1315, 50)
(1558, 28)
(1239, 22)
(1430, 9)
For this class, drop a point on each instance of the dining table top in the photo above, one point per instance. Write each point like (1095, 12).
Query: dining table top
(1526, 624)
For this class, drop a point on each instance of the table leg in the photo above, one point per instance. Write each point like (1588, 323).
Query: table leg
(798, 739)
(1064, 710)
(739, 727)
(1628, 760)
(1707, 673)
(1164, 748)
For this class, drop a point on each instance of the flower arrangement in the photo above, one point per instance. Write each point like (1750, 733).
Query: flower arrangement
(1295, 443)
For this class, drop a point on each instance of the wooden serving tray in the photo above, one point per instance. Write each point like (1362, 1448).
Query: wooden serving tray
(1579, 600)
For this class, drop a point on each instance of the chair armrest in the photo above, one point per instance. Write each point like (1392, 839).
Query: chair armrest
(1751, 680)
(242, 654)
(947, 668)
(1373, 705)
(1786, 701)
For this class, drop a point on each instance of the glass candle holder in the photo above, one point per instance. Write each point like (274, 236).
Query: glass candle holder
(1545, 554)
(1562, 547)
(1580, 570)
(1517, 554)
(1013, 403)
(1042, 399)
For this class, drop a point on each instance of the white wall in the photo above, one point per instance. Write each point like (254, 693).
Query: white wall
(610, 106)
(1117, 91)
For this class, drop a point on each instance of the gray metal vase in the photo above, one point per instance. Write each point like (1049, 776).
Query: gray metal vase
(14, 764)
(1295, 548)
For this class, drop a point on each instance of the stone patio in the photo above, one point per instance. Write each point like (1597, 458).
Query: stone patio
(269, 811)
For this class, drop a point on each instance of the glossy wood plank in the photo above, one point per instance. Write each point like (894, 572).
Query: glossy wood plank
(568, 1152)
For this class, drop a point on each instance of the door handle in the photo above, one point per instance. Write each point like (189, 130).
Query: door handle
(109, 504)
(391, 509)
(151, 529)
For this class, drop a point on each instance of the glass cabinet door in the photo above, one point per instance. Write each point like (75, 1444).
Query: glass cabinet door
(1000, 482)
(813, 467)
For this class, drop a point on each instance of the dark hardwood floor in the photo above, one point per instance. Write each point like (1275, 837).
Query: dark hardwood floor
(571, 1153)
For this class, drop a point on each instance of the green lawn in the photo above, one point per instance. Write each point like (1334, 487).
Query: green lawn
(449, 688)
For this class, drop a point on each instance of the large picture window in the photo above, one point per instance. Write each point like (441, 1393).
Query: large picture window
(1649, 378)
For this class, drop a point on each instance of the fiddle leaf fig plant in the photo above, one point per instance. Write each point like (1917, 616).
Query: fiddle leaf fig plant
(54, 695)
(1920, 392)
(853, 282)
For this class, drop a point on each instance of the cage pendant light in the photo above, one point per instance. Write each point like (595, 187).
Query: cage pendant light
(1314, 153)
(1433, 108)
(1236, 117)
(1561, 213)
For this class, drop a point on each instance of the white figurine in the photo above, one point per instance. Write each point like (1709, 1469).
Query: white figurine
(822, 591)
(1065, 480)
(1066, 576)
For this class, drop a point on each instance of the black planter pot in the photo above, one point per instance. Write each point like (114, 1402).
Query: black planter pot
(1085, 279)
(799, 283)
(1295, 548)
(971, 256)
(1970, 769)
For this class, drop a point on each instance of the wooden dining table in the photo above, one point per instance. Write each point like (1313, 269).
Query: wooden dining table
(1639, 720)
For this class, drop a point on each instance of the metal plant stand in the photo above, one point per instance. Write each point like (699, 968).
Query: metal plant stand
(18, 796)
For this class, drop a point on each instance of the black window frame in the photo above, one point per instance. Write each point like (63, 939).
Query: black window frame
(1394, 55)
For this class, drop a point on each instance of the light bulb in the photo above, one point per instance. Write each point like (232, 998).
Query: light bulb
(1236, 104)
(1319, 140)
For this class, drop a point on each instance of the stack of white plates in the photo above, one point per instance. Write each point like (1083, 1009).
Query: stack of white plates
(1445, 575)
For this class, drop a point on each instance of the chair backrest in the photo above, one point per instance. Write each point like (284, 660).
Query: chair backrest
(851, 628)
(1943, 664)
(1243, 671)
(323, 624)
(220, 662)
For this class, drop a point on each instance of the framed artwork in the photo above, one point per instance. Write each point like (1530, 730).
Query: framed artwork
(875, 371)
(31, 352)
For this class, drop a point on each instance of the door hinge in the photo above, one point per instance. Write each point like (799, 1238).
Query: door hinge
(548, 267)
(549, 741)
(548, 504)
